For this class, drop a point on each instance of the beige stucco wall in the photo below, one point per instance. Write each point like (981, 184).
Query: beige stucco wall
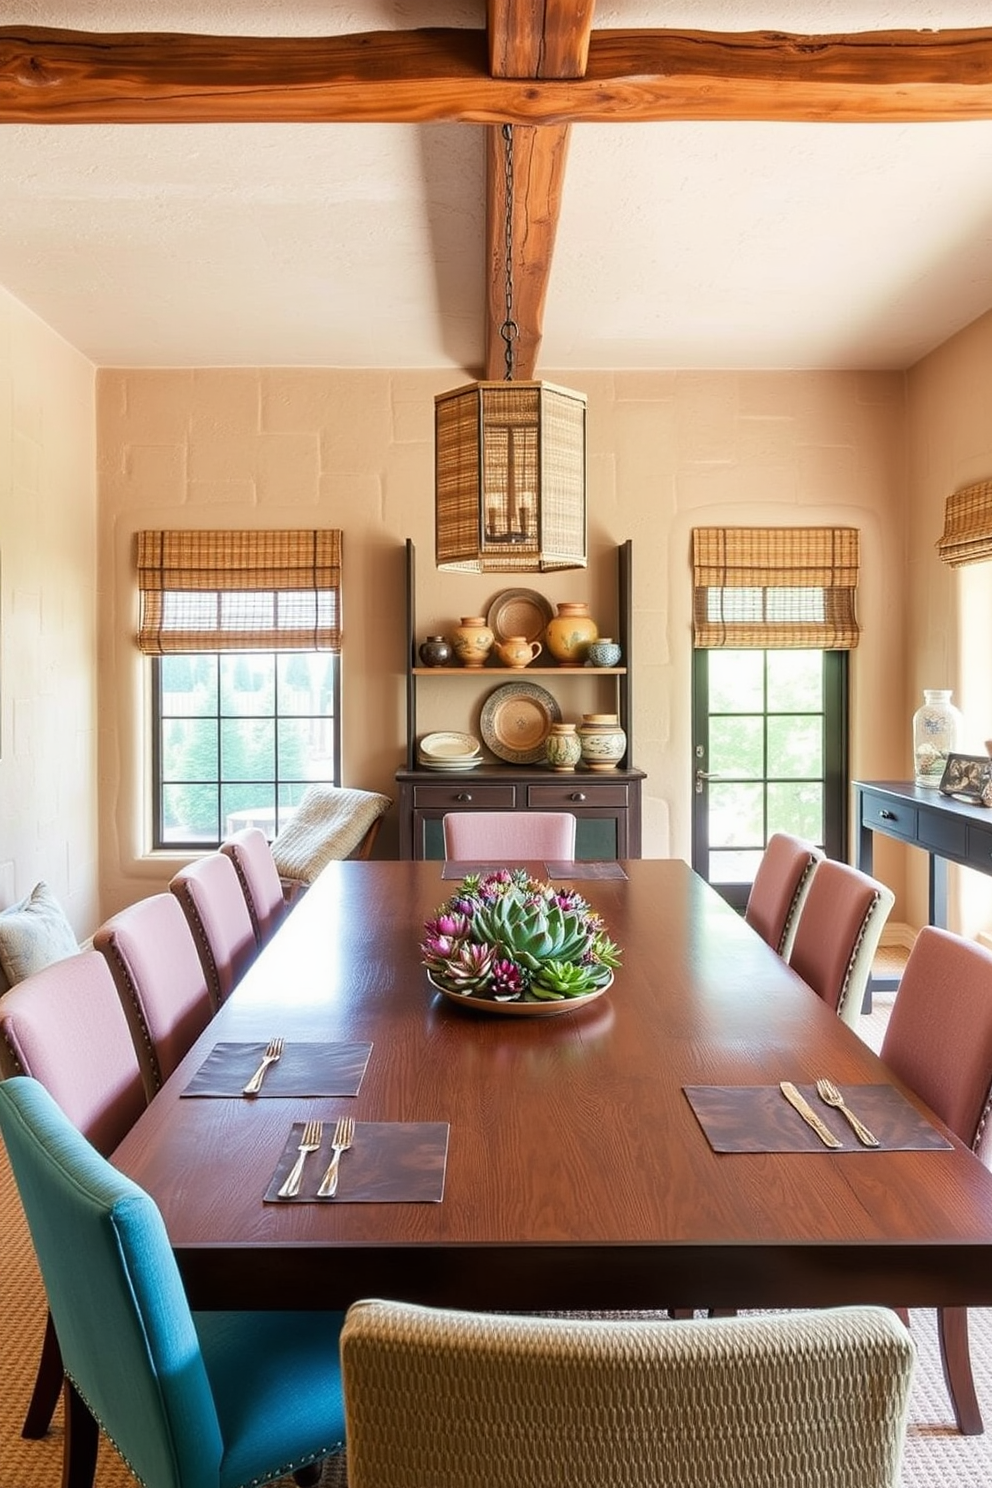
(949, 613)
(667, 451)
(49, 820)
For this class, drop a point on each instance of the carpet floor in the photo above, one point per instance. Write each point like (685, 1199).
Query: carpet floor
(936, 1456)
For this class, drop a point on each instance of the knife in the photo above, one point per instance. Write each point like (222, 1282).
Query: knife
(810, 1117)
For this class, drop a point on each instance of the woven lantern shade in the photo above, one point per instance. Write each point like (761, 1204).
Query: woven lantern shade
(510, 478)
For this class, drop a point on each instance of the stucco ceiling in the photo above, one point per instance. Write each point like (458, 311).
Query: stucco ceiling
(704, 245)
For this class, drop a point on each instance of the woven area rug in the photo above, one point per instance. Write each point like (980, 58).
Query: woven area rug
(936, 1456)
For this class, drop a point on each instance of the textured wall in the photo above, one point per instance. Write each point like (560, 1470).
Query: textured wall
(667, 451)
(48, 721)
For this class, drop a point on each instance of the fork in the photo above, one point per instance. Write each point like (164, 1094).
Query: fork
(309, 1142)
(272, 1054)
(344, 1135)
(831, 1096)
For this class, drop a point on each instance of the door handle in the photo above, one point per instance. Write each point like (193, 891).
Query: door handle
(702, 775)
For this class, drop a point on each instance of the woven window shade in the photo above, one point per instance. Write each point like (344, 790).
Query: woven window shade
(777, 587)
(239, 591)
(967, 536)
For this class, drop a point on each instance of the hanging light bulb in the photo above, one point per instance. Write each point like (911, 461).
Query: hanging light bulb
(510, 461)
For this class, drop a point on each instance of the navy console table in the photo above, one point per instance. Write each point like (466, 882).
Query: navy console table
(949, 831)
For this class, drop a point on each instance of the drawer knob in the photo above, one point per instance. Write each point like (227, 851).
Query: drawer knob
(887, 815)
(464, 796)
(577, 796)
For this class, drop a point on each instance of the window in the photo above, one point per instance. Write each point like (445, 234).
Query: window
(244, 633)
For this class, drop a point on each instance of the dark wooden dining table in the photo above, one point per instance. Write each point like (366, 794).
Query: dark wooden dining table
(578, 1175)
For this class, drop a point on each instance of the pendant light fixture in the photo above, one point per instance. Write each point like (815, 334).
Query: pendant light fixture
(510, 462)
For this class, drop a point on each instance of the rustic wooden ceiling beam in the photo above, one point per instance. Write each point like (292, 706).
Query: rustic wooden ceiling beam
(527, 39)
(50, 76)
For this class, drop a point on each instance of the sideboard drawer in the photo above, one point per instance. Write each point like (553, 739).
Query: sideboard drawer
(565, 795)
(883, 815)
(943, 834)
(464, 795)
(980, 848)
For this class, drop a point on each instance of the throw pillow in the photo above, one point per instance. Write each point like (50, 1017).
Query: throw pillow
(33, 934)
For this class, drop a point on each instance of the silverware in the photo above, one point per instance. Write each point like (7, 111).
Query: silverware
(272, 1055)
(344, 1135)
(831, 1096)
(800, 1104)
(309, 1142)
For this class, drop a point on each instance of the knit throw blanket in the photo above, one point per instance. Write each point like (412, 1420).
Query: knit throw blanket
(329, 823)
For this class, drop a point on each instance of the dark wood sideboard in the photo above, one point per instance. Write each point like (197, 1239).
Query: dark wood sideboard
(949, 831)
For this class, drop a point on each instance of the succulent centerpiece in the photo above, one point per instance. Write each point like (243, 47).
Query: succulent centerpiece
(506, 937)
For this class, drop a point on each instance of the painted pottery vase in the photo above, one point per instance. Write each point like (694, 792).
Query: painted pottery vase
(516, 652)
(472, 641)
(569, 633)
(936, 734)
(435, 651)
(563, 747)
(603, 652)
(603, 741)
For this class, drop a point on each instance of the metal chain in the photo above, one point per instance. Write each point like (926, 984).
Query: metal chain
(509, 330)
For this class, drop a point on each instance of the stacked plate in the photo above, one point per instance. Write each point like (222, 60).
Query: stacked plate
(455, 752)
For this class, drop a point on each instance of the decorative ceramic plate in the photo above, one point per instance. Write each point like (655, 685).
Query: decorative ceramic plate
(449, 746)
(521, 1009)
(453, 767)
(516, 612)
(516, 720)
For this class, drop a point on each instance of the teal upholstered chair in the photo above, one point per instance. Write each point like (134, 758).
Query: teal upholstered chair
(204, 1400)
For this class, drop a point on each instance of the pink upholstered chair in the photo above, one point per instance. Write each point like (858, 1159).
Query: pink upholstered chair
(939, 1042)
(839, 927)
(509, 836)
(780, 886)
(261, 884)
(160, 980)
(65, 1026)
(210, 893)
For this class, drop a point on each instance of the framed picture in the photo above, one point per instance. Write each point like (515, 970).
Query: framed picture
(968, 776)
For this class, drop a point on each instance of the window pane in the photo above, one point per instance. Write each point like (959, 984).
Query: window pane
(189, 749)
(248, 806)
(306, 683)
(797, 809)
(737, 681)
(737, 747)
(736, 815)
(795, 681)
(247, 749)
(795, 747)
(247, 683)
(190, 814)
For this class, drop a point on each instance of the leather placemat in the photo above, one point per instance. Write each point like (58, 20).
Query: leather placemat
(608, 869)
(758, 1118)
(304, 1069)
(389, 1162)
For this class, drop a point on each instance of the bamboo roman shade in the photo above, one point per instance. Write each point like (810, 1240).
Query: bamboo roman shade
(777, 587)
(967, 536)
(239, 591)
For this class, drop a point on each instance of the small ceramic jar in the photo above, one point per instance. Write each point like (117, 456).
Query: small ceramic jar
(563, 747)
(604, 742)
(472, 641)
(603, 652)
(435, 651)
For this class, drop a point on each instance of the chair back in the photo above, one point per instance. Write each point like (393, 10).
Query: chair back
(780, 886)
(210, 894)
(258, 875)
(509, 836)
(65, 1027)
(124, 1326)
(160, 981)
(939, 1035)
(839, 927)
(437, 1396)
(330, 823)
